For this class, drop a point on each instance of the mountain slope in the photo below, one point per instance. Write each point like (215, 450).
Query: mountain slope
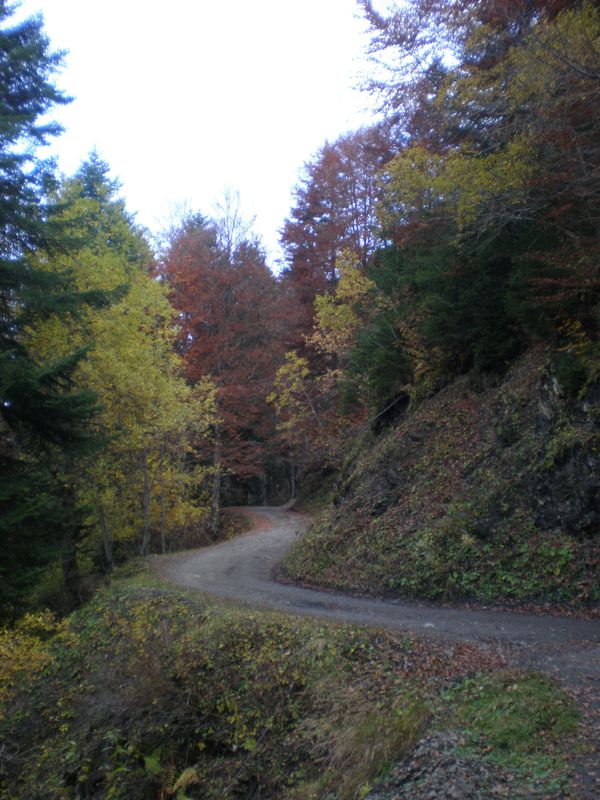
(486, 492)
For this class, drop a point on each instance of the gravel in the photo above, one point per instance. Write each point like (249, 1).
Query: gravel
(437, 770)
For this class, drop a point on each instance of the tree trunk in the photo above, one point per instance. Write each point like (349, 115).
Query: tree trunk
(161, 489)
(292, 475)
(216, 488)
(70, 571)
(108, 554)
(70, 568)
(263, 488)
(145, 545)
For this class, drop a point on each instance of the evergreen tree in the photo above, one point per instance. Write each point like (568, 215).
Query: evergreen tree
(43, 424)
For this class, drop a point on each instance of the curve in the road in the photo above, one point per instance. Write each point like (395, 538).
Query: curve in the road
(242, 569)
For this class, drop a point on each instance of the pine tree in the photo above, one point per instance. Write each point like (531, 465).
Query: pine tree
(43, 424)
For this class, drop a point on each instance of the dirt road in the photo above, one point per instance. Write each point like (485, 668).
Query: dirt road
(242, 570)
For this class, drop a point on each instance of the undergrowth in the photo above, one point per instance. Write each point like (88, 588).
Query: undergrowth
(517, 720)
(478, 494)
(149, 692)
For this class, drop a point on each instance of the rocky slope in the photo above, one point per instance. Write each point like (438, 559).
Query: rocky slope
(489, 490)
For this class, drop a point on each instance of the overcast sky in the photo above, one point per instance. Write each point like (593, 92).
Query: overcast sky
(188, 97)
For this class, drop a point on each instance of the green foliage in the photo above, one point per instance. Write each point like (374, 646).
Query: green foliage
(520, 720)
(379, 365)
(450, 562)
(441, 309)
(45, 421)
(489, 205)
(571, 373)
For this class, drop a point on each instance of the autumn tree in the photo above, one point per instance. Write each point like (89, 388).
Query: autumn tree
(231, 327)
(416, 44)
(489, 200)
(485, 203)
(308, 397)
(300, 427)
(334, 211)
(138, 493)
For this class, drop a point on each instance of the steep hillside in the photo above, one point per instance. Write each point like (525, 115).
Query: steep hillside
(487, 492)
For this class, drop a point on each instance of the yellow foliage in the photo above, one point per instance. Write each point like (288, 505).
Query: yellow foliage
(23, 654)
(460, 184)
(472, 182)
(578, 340)
(189, 777)
(290, 396)
(408, 185)
(555, 64)
(149, 416)
(567, 45)
(336, 316)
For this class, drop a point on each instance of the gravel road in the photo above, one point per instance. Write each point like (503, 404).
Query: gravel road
(243, 569)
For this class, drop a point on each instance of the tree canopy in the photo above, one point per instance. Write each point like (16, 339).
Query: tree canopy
(140, 391)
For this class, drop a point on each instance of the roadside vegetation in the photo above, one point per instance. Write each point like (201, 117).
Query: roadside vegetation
(151, 692)
(487, 491)
(427, 360)
(428, 353)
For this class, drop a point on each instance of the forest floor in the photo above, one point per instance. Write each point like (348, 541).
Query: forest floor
(244, 570)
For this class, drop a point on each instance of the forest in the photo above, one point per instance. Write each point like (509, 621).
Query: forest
(421, 376)
(145, 387)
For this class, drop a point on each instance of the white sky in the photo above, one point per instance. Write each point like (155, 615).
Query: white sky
(188, 97)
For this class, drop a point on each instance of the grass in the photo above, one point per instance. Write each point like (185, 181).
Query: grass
(152, 692)
(519, 720)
